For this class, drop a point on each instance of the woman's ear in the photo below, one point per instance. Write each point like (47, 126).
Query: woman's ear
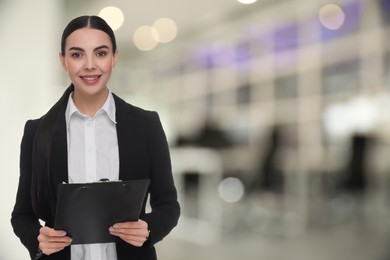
(115, 58)
(63, 62)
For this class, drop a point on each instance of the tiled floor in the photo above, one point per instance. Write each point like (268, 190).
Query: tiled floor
(359, 233)
(327, 244)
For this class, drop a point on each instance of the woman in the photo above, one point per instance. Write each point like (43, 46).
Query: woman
(89, 134)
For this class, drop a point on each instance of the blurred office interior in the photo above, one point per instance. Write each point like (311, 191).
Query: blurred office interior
(276, 112)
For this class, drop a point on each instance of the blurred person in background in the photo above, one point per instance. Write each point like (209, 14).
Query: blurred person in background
(129, 143)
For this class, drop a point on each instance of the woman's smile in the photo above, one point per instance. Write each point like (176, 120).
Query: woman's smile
(90, 79)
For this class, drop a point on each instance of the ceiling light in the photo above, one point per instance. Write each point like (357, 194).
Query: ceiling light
(246, 2)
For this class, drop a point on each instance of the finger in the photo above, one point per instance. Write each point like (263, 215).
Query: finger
(50, 247)
(47, 239)
(53, 246)
(132, 224)
(132, 237)
(48, 244)
(52, 232)
(134, 240)
(138, 232)
(48, 250)
(53, 235)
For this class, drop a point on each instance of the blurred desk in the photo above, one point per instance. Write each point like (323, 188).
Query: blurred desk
(204, 227)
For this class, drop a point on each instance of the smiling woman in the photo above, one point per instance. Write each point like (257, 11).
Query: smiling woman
(89, 60)
(88, 135)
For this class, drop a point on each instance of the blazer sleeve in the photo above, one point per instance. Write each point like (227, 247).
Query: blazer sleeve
(24, 222)
(165, 209)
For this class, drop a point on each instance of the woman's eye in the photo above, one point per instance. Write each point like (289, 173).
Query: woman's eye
(101, 53)
(76, 55)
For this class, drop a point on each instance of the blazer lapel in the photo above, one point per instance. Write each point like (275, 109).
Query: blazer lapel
(59, 154)
(125, 131)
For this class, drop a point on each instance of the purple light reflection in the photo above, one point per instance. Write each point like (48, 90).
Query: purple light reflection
(222, 54)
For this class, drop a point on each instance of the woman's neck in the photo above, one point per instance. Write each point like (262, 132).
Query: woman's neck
(87, 104)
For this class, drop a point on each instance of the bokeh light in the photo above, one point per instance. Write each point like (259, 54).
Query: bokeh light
(113, 16)
(231, 189)
(166, 29)
(331, 16)
(145, 38)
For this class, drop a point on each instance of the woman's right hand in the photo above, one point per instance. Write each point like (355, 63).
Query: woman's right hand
(52, 241)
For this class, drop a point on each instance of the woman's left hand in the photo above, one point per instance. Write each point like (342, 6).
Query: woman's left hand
(133, 232)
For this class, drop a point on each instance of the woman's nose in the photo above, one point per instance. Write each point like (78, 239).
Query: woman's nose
(89, 64)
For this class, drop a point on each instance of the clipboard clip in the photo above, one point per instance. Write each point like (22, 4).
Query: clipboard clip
(106, 180)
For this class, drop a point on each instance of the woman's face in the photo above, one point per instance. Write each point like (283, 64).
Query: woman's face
(89, 60)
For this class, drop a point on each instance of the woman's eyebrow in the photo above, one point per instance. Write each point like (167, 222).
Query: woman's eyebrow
(76, 49)
(95, 49)
(101, 47)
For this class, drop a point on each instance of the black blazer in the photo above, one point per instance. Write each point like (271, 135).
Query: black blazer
(143, 153)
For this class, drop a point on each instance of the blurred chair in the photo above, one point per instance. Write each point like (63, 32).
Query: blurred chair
(270, 197)
(345, 191)
(354, 179)
(269, 175)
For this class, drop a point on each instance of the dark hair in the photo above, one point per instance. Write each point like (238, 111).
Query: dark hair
(93, 22)
(41, 188)
(41, 191)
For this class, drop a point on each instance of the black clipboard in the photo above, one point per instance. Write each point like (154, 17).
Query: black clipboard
(86, 211)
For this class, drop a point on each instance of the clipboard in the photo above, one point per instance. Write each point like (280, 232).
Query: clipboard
(87, 210)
